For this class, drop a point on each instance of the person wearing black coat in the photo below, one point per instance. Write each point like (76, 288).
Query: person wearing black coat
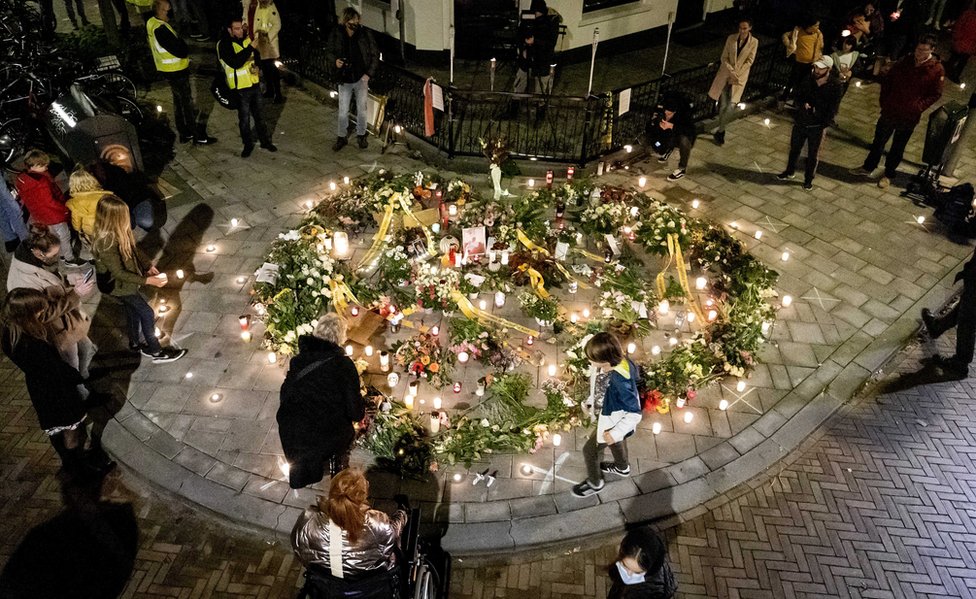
(673, 126)
(963, 317)
(642, 570)
(52, 384)
(320, 401)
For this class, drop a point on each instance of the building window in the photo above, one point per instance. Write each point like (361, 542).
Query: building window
(593, 5)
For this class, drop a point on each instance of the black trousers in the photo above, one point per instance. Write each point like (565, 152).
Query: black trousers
(71, 11)
(593, 451)
(956, 65)
(813, 138)
(250, 106)
(884, 131)
(271, 76)
(963, 317)
(798, 70)
(184, 113)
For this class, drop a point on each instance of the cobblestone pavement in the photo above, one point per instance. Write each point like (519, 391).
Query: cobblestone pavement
(877, 504)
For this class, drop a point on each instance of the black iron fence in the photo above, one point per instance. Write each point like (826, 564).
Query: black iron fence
(554, 128)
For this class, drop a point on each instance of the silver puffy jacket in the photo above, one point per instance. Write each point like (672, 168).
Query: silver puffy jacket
(373, 550)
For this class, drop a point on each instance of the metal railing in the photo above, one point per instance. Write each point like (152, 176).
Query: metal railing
(550, 127)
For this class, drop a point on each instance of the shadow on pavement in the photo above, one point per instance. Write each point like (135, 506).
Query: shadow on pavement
(88, 550)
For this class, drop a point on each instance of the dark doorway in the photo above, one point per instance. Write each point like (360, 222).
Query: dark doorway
(690, 14)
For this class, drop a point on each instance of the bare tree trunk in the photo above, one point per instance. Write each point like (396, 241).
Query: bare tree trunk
(109, 23)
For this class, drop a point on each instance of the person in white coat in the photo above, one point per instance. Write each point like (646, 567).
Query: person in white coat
(733, 74)
(263, 26)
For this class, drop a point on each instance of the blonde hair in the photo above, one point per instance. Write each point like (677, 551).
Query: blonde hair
(348, 14)
(113, 227)
(331, 327)
(81, 181)
(346, 504)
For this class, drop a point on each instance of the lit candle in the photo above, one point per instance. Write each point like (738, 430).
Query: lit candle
(656, 428)
(457, 387)
(531, 182)
(557, 439)
(332, 186)
(570, 172)
(765, 328)
(272, 357)
(412, 388)
(631, 347)
(787, 300)
(189, 375)
(504, 257)
(163, 309)
(740, 386)
(368, 350)
(734, 225)
(245, 321)
(354, 311)
(530, 340)
(500, 297)
(211, 248)
(641, 182)
(452, 210)
(586, 312)
(634, 211)
(240, 280)
(483, 304)
(712, 315)
(392, 379)
(656, 350)
(723, 405)
(552, 370)
(180, 274)
(234, 222)
(340, 242)
(689, 416)
(673, 341)
(435, 330)
(157, 332)
(480, 389)
(691, 317)
(384, 360)
(435, 422)
(920, 220)
(308, 204)
(349, 350)
(695, 203)
(462, 357)
(437, 403)
(408, 401)
(246, 336)
(758, 234)
(680, 402)
(664, 307)
(457, 477)
(214, 398)
(435, 228)
(345, 180)
(574, 317)
(786, 255)
(766, 121)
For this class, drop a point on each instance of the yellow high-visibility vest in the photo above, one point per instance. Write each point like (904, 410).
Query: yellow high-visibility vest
(164, 61)
(244, 77)
(141, 3)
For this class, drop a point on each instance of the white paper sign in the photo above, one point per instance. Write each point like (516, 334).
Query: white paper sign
(268, 273)
(624, 98)
(613, 244)
(562, 250)
(437, 96)
(476, 280)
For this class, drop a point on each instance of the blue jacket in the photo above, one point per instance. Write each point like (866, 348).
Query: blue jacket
(622, 391)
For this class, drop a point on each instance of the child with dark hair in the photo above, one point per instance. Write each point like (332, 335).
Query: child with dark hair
(642, 570)
(614, 378)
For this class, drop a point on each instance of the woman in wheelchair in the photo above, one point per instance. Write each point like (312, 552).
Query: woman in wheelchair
(346, 547)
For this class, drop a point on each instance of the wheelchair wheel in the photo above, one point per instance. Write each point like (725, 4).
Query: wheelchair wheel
(427, 583)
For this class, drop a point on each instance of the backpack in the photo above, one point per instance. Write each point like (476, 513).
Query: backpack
(955, 208)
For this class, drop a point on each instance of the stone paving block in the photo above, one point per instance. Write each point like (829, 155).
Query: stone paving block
(194, 460)
(492, 511)
(688, 469)
(672, 447)
(228, 476)
(719, 455)
(165, 444)
(525, 507)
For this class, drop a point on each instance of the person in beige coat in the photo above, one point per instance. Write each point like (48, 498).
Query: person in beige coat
(263, 26)
(733, 74)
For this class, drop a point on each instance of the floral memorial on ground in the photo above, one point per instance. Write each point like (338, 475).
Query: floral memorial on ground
(506, 292)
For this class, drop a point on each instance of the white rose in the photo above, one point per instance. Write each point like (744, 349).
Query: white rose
(485, 423)
(310, 281)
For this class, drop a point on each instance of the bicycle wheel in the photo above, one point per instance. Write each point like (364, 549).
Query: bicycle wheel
(129, 110)
(16, 137)
(118, 83)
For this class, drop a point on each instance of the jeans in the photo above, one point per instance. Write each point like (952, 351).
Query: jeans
(184, 113)
(725, 109)
(685, 144)
(884, 131)
(251, 106)
(346, 91)
(812, 137)
(63, 231)
(12, 224)
(272, 77)
(593, 451)
(71, 11)
(140, 318)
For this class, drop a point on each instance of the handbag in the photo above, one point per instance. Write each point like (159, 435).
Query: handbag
(223, 94)
(105, 282)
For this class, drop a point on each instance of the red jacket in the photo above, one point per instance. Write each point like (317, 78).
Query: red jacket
(909, 89)
(43, 198)
(964, 34)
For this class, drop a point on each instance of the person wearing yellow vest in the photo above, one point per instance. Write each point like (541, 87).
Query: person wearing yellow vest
(236, 55)
(171, 57)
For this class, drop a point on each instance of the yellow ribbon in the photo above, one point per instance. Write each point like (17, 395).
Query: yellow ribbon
(379, 240)
(342, 295)
(531, 246)
(675, 256)
(468, 309)
(536, 281)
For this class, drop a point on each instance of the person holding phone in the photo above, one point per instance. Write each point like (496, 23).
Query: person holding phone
(123, 271)
(353, 58)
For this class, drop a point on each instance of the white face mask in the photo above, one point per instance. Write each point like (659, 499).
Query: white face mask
(627, 577)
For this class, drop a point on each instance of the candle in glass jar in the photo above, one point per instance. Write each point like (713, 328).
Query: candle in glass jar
(462, 357)
(340, 243)
(392, 379)
(483, 304)
(354, 311)
(349, 350)
(435, 422)
(368, 350)
(480, 389)
(452, 210)
(504, 257)
(180, 274)
(384, 360)
(437, 403)
(408, 401)
(530, 340)
(412, 388)
(457, 387)
(499, 298)
(552, 370)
